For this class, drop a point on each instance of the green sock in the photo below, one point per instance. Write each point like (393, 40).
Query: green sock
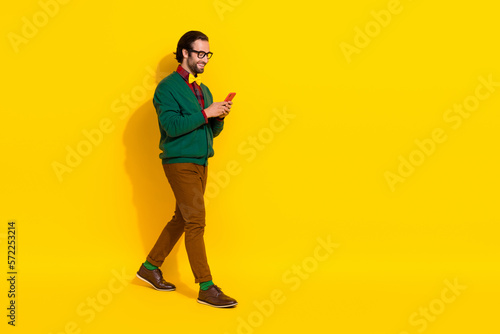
(149, 266)
(205, 285)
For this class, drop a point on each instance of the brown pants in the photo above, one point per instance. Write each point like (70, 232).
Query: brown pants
(188, 181)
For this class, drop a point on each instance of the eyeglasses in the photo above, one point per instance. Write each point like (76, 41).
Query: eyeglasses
(202, 54)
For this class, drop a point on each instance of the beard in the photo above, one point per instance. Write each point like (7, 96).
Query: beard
(193, 66)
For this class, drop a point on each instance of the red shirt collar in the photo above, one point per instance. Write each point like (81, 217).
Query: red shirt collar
(184, 74)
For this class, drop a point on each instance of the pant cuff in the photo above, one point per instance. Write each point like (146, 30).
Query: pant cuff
(153, 262)
(203, 279)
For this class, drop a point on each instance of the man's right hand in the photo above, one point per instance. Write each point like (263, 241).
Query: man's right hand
(218, 109)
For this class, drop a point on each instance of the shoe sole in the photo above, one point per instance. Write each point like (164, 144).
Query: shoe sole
(145, 280)
(218, 306)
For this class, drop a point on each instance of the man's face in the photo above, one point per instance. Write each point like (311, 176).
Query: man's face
(197, 65)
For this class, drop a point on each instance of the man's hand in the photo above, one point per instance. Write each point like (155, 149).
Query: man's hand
(219, 109)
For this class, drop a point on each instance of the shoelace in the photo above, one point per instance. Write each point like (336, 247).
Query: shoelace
(161, 275)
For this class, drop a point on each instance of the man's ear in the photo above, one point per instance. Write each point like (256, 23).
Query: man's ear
(185, 53)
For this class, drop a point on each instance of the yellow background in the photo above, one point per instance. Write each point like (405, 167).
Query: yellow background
(320, 176)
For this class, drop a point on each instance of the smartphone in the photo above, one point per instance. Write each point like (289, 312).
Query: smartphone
(230, 97)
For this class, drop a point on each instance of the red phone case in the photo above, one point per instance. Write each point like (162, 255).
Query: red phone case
(230, 97)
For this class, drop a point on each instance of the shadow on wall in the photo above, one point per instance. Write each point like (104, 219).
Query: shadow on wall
(152, 196)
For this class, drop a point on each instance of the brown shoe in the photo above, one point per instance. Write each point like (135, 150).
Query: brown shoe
(215, 297)
(155, 278)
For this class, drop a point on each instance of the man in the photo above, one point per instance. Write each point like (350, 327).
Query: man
(188, 120)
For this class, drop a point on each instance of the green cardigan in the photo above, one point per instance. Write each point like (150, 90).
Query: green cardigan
(185, 136)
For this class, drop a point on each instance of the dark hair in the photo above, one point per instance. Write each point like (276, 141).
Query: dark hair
(186, 42)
